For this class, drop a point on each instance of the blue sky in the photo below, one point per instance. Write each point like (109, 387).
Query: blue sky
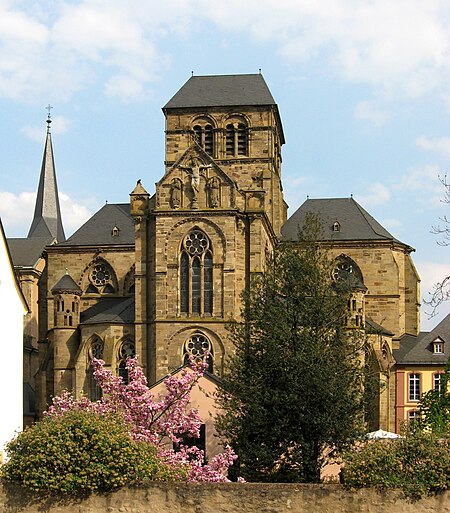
(362, 87)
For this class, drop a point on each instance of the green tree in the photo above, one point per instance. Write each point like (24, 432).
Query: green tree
(293, 387)
(81, 452)
(434, 408)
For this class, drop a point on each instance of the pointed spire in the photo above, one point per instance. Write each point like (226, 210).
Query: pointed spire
(47, 215)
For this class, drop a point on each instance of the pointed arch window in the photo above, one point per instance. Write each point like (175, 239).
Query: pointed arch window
(196, 275)
(95, 351)
(126, 350)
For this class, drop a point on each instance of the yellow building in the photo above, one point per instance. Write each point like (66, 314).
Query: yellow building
(420, 362)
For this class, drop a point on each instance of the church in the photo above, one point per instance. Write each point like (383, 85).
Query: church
(161, 275)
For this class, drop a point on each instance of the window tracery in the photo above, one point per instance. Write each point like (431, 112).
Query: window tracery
(196, 275)
(100, 278)
(126, 350)
(197, 347)
(95, 351)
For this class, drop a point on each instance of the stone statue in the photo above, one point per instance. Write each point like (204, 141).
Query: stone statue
(213, 192)
(175, 193)
(194, 169)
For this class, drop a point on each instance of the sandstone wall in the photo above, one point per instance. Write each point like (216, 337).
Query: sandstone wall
(229, 498)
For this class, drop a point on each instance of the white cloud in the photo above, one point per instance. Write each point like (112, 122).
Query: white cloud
(369, 111)
(425, 182)
(391, 223)
(377, 194)
(55, 49)
(73, 214)
(60, 125)
(440, 145)
(400, 46)
(16, 212)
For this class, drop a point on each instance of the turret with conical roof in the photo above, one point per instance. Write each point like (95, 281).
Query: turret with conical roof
(47, 215)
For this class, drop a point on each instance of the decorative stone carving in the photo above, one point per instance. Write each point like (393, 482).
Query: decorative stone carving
(195, 169)
(213, 192)
(175, 193)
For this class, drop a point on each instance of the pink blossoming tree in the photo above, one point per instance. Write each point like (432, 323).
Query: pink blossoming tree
(163, 421)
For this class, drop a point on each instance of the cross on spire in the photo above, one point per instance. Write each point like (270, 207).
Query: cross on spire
(48, 108)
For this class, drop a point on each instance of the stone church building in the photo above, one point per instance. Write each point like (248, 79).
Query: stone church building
(161, 275)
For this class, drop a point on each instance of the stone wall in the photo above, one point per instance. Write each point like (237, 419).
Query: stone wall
(229, 498)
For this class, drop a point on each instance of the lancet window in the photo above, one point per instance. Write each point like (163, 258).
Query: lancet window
(95, 351)
(196, 275)
(126, 350)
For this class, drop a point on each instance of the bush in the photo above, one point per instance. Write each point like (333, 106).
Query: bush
(81, 452)
(419, 464)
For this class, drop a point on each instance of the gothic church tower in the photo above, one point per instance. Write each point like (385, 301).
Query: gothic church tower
(216, 214)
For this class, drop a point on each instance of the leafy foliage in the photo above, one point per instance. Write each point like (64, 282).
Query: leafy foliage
(80, 452)
(161, 421)
(419, 464)
(434, 408)
(294, 385)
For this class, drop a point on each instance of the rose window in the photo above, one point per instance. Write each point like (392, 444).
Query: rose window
(100, 275)
(342, 271)
(196, 242)
(198, 345)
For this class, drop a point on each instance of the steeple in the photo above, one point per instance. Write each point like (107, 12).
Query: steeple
(47, 215)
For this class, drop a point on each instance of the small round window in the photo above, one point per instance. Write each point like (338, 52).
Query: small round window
(196, 242)
(198, 345)
(100, 275)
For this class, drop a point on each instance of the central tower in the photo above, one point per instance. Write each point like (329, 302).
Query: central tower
(216, 214)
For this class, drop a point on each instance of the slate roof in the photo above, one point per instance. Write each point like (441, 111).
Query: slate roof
(66, 283)
(355, 223)
(47, 215)
(374, 327)
(419, 350)
(222, 91)
(114, 310)
(26, 252)
(97, 231)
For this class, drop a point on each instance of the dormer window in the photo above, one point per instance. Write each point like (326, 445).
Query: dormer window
(336, 227)
(115, 231)
(438, 346)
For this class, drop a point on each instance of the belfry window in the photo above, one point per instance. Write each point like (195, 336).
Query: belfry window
(95, 351)
(196, 275)
(126, 350)
(204, 135)
(236, 136)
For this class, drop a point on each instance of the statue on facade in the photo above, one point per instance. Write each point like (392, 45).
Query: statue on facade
(213, 192)
(175, 193)
(195, 169)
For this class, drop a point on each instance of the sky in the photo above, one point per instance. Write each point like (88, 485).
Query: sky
(362, 87)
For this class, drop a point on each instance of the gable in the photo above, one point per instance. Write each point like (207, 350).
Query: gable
(195, 181)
